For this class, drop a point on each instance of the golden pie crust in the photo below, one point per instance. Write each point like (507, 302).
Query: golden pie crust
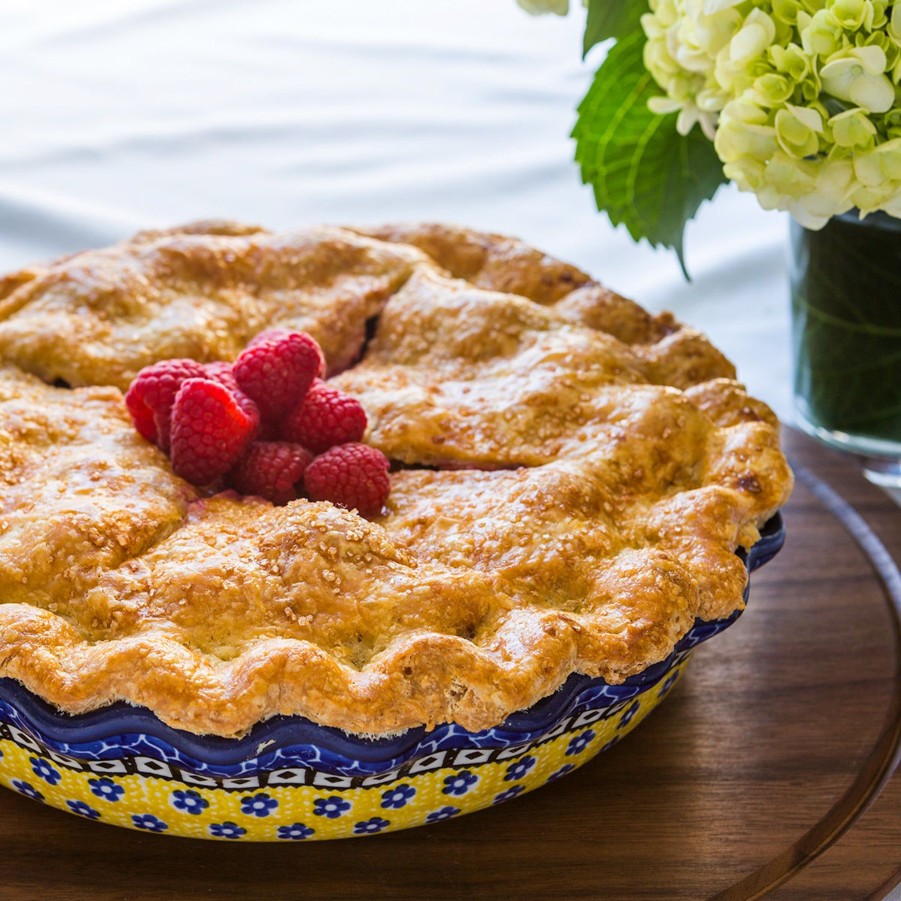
(572, 479)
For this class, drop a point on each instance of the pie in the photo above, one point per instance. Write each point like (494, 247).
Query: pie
(571, 478)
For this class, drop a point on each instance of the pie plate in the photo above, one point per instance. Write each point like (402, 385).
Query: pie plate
(291, 779)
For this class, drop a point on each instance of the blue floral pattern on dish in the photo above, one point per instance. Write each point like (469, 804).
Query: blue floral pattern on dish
(106, 789)
(445, 813)
(227, 830)
(459, 783)
(371, 826)
(507, 794)
(628, 715)
(44, 771)
(519, 769)
(189, 801)
(332, 808)
(578, 743)
(566, 768)
(668, 683)
(84, 810)
(296, 832)
(258, 805)
(398, 797)
(27, 789)
(149, 822)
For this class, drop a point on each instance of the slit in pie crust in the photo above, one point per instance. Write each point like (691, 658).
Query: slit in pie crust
(572, 478)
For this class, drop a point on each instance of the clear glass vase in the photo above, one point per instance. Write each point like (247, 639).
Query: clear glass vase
(846, 337)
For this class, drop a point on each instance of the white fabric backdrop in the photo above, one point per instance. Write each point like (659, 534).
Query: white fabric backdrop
(152, 112)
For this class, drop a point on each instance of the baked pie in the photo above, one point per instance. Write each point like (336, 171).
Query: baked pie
(570, 480)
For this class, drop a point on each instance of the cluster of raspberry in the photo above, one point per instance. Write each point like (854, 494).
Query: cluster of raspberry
(265, 425)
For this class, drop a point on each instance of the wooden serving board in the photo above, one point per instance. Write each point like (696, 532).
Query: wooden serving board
(768, 771)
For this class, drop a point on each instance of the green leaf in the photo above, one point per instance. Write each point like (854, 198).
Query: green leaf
(645, 175)
(611, 19)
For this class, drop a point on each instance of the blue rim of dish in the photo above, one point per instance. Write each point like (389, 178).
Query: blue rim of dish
(122, 730)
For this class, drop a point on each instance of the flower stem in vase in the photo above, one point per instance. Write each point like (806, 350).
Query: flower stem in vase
(846, 324)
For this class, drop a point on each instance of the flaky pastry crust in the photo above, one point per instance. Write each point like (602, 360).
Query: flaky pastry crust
(572, 479)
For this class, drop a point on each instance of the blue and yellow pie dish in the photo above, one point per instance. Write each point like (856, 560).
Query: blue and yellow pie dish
(290, 779)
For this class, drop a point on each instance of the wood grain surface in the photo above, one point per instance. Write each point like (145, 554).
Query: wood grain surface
(768, 771)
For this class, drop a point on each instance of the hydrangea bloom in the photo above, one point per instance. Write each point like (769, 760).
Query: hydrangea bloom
(800, 97)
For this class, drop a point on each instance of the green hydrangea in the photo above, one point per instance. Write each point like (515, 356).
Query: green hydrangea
(800, 97)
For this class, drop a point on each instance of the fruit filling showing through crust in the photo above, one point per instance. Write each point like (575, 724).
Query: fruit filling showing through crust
(204, 521)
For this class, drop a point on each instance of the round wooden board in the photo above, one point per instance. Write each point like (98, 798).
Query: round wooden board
(769, 770)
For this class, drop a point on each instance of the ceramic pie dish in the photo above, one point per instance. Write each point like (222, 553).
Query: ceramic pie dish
(577, 492)
(291, 779)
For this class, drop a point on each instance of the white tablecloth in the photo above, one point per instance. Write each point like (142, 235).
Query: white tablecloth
(122, 115)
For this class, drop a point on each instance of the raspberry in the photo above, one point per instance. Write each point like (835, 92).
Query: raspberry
(271, 469)
(351, 476)
(278, 372)
(210, 431)
(221, 372)
(326, 417)
(150, 397)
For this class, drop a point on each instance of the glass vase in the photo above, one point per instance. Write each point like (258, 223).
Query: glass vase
(846, 337)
